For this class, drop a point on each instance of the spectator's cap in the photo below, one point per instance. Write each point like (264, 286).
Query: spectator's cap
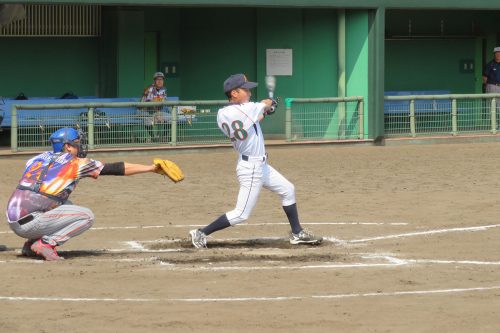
(496, 49)
(158, 74)
(236, 81)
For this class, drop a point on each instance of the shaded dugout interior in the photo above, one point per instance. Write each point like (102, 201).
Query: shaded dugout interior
(204, 44)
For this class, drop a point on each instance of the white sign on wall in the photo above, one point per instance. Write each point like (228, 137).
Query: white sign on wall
(279, 62)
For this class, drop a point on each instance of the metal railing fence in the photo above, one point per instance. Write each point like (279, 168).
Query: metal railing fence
(455, 114)
(334, 118)
(119, 124)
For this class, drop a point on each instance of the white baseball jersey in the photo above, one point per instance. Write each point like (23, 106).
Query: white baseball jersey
(240, 123)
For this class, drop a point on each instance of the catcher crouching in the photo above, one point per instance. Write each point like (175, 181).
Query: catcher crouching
(39, 209)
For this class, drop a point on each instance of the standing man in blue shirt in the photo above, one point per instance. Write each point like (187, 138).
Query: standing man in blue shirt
(491, 73)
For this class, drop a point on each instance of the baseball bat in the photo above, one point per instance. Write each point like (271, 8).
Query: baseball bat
(270, 85)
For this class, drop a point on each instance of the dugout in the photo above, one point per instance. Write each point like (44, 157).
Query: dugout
(339, 48)
(439, 50)
(202, 45)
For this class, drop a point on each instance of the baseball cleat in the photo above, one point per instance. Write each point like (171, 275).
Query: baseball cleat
(26, 250)
(305, 237)
(198, 238)
(47, 251)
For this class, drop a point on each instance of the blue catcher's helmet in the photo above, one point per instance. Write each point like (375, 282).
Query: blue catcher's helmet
(68, 135)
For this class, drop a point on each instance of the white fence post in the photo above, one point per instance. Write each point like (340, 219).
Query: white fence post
(412, 119)
(493, 112)
(90, 125)
(361, 120)
(454, 117)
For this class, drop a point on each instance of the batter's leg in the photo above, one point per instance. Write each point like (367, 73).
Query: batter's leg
(250, 178)
(276, 182)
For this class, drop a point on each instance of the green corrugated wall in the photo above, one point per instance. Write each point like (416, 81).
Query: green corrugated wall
(48, 66)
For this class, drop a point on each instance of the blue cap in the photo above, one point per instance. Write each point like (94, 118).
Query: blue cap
(236, 81)
(63, 136)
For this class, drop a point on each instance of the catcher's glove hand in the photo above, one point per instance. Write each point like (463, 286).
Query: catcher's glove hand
(168, 168)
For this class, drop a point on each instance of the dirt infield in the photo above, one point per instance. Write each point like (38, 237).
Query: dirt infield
(412, 244)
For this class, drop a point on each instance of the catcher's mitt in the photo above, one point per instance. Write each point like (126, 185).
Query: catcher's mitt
(169, 169)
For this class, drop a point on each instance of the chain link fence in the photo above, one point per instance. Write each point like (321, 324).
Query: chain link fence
(427, 115)
(119, 124)
(324, 118)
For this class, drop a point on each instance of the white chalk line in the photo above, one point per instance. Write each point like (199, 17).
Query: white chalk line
(413, 234)
(389, 258)
(139, 248)
(397, 261)
(390, 262)
(252, 225)
(272, 268)
(86, 259)
(339, 241)
(250, 299)
(134, 227)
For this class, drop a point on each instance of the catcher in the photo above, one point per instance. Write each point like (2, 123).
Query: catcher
(39, 209)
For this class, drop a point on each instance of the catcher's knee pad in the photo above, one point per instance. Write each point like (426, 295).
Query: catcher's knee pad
(237, 216)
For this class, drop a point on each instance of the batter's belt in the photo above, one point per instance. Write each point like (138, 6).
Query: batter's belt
(254, 158)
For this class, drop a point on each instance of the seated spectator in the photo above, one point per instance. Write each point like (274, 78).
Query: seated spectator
(156, 92)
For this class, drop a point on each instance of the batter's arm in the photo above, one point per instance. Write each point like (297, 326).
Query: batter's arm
(268, 103)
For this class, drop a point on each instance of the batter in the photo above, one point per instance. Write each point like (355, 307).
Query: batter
(240, 121)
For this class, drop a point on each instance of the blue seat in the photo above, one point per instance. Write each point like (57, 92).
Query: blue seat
(67, 117)
(421, 106)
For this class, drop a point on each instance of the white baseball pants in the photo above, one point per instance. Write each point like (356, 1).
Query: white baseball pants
(56, 226)
(253, 175)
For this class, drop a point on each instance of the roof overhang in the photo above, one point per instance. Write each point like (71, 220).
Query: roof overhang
(389, 4)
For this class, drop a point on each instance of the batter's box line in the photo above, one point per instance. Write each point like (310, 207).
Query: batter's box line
(423, 233)
(339, 241)
(250, 299)
(389, 261)
(252, 225)
(139, 227)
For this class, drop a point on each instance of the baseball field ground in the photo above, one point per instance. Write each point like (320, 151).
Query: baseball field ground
(412, 244)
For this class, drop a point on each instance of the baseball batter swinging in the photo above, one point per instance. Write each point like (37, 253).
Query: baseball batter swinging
(240, 121)
(39, 209)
